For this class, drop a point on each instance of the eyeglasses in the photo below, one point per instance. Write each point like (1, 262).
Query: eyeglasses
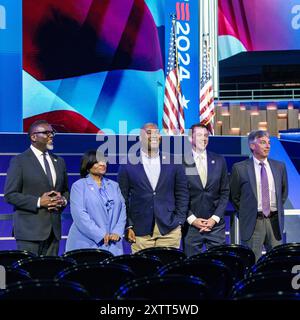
(48, 133)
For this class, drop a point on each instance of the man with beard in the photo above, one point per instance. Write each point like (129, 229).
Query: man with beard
(156, 195)
(36, 185)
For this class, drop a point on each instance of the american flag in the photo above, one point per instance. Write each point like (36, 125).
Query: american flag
(173, 115)
(206, 108)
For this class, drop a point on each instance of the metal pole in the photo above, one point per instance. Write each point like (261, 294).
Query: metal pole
(237, 239)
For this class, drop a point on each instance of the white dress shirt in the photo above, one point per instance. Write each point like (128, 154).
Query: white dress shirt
(152, 168)
(200, 159)
(39, 154)
(272, 191)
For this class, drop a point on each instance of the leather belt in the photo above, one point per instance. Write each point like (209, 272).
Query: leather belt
(260, 215)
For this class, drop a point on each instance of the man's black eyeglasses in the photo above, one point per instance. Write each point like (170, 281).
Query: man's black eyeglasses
(48, 133)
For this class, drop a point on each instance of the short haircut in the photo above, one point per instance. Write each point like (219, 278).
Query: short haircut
(256, 134)
(36, 124)
(143, 128)
(195, 126)
(88, 160)
(149, 124)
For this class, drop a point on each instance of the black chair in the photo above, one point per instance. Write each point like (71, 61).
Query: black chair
(245, 253)
(44, 267)
(287, 246)
(141, 265)
(165, 254)
(101, 280)
(88, 255)
(264, 282)
(275, 264)
(8, 257)
(13, 275)
(214, 273)
(292, 252)
(286, 296)
(234, 262)
(168, 287)
(44, 290)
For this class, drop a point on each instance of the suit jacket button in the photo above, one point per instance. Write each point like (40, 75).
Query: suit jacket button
(154, 193)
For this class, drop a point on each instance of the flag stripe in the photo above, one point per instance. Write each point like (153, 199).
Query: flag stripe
(206, 105)
(187, 7)
(173, 114)
(182, 11)
(178, 10)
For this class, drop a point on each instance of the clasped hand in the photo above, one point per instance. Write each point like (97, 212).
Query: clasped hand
(204, 225)
(52, 200)
(113, 237)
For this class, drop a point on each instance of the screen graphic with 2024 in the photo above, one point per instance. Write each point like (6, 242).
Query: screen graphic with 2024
(89, 64)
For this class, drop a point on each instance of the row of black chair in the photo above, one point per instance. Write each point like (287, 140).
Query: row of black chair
(217, 270)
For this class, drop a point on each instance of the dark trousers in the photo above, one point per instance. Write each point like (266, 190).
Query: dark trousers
(266, 233)
(194, 240)
(48, 247)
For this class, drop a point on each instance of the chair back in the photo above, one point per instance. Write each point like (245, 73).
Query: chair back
(13, 275)
(43, 267)
(234, 262)
(141, 265)
(214, 273)
(245, 253)
(8, 257)
(264, 283)
(165, 254)
(168, 287)
(88, 255)
(275, 264)
(101, 280)
(44, 290)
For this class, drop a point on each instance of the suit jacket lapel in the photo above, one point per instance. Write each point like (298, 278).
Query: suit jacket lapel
(275, 177)
(142, 173)
(37, 166)
(211, 163)
(192, 172)
(163, 171)
(54, 161)
(252, 176)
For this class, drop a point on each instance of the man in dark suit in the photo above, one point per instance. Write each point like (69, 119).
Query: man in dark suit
(37, 187)
(259, 189)
(209, 192)
(156, 195)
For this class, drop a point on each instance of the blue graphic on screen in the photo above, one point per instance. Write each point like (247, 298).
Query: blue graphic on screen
(11, 65)
(81, 76)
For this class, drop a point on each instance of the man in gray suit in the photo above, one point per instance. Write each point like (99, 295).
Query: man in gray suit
(259, 189)
(208, 193)
(37, 187)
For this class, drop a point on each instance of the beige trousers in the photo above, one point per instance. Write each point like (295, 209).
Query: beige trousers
(171, 239)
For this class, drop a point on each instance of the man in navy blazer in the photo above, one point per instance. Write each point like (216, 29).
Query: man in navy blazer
(259, 188)
(209, 192)
(155, 193)
(37, 186)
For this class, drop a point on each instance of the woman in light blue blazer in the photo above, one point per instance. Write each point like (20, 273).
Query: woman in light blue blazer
(97, 208)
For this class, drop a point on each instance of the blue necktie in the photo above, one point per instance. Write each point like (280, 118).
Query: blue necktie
(265, 195)
(48, 171)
